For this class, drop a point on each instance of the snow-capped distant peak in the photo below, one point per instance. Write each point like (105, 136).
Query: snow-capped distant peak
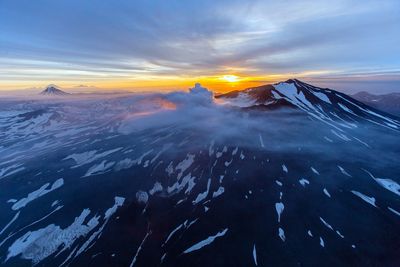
(53, 90)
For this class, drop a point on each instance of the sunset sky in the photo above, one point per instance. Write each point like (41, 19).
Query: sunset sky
(225, 45)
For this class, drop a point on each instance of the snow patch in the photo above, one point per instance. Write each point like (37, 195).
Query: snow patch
(284, 168)
(279, 209)
(219, 192)
(38, 193)
(281, 234)
(370, 200)
(304, 182)
(344, 171)
(205, 242)
(314, 170)
(326, 193)
(100, 168)
(255, 255)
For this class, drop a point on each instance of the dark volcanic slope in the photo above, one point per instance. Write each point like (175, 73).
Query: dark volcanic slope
(324, 104)
(388, 102)
(178, 180)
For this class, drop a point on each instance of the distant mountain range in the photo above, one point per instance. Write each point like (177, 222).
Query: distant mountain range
(53, 90)
(388, 102)
(260, 97)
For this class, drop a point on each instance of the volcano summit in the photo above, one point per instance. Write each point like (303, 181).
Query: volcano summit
(53, 90)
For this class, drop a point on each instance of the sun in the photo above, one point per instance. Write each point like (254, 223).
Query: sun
(231, 78)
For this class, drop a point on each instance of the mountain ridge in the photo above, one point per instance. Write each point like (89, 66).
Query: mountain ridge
(389, 103)
(324, 104)
(53, 90)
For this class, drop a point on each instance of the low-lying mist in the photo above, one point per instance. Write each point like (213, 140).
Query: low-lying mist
(194, 113)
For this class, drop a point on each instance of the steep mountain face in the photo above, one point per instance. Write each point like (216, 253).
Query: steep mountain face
(53, 90)
(326, 105)
(388, 102)
(281, 175)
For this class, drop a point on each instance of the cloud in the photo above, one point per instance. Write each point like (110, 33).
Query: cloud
(71, 40)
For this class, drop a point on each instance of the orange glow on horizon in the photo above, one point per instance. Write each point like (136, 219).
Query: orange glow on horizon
(220, 83)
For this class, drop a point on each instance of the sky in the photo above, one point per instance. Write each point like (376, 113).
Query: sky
(226, 45)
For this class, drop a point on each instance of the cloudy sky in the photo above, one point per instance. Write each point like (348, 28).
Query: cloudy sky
(150, 45)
